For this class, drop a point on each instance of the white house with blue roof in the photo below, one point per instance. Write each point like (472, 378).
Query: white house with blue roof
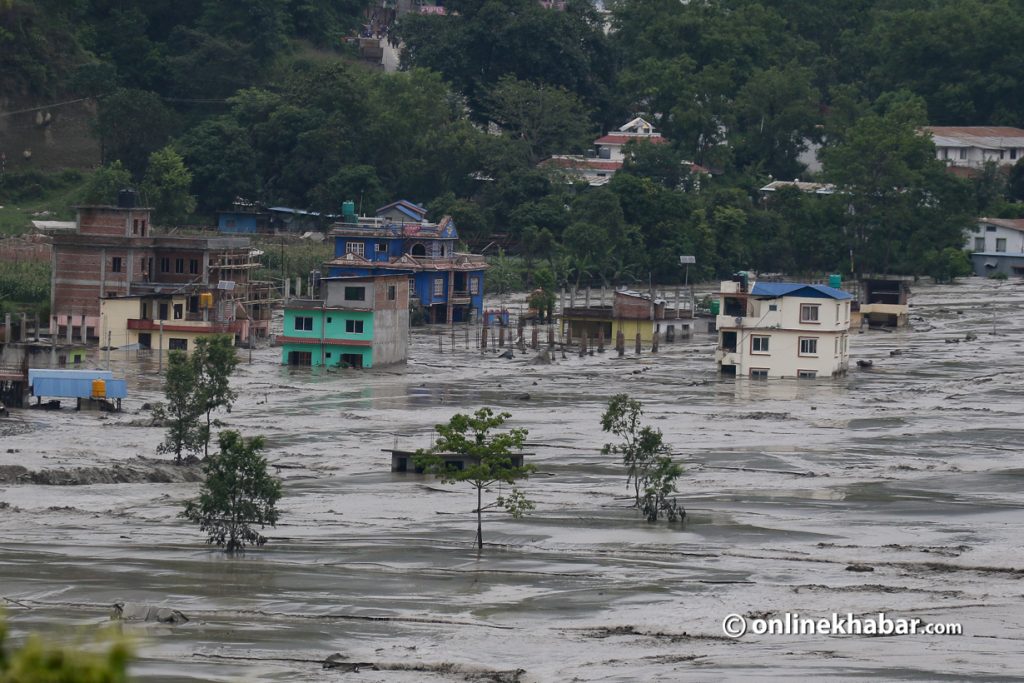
(782, 329)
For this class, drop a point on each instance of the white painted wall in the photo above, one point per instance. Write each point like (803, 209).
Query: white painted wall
(784, 330)
(989, 234)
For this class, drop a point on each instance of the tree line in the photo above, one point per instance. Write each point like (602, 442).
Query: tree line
(267, 104)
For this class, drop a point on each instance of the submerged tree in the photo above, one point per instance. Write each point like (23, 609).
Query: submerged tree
(649, 467)
(214, 361)
(181, 412)
(487, 456)
(238, 496)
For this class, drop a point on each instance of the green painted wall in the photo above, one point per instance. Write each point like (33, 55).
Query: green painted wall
(334, 325)
(332, 354)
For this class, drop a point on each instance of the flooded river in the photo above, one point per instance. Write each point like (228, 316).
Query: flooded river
(896, 489)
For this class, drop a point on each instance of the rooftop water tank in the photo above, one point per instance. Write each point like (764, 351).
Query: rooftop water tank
(99, 388)
(348, 212)
(835, 281)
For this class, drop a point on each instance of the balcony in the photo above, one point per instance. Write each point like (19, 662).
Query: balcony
(146, 325)
(726, 357)
(770, 320)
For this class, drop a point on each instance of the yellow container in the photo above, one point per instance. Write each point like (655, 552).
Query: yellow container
(206, 300)
(99, 388)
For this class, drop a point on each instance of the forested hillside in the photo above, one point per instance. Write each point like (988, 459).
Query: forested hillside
(261, 99)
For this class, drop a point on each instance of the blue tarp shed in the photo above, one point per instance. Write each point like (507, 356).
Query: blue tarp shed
(73, 383)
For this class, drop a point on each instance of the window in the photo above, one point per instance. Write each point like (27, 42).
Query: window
(142, 226)
(330, 319)
(179, 311)
(1000, 244)
(474, 285)
(135, 226)
(758, 373)
(990, 228)
(193, 266)
(759, 344)
(357, 248)
(163, 311)
(773, 307)
(806, 374)
(382, 247)
(837, 346)
(165, 265)
(355, 294)
(177, 344)
(193, 304)
(115, 264)
(354, 326)
(963, 152)
(809, 313)
(303, 323)
(179, 265)
(392, 292)
(300, 358)
(979, 244)
(439, 286)
(808, 346)
(1013, 153)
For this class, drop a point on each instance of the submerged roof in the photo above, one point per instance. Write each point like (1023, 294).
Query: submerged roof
(779, 289)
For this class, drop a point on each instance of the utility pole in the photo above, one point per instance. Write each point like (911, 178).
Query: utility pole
(160, 350)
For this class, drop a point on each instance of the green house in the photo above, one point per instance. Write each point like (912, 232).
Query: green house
(361, 322)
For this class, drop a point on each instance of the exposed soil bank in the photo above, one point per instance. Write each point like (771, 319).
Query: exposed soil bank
(135, 471)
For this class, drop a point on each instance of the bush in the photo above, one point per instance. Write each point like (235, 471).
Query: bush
(998, 276)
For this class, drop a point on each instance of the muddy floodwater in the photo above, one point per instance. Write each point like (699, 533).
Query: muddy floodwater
(896, 489)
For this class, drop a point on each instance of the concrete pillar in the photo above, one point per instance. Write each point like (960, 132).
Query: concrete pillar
(298, 287)
(586, 300)
(22, 333)
(551, 337)
(654, 342)
(602, 296)
(36, 321)
(600, 339)
(677, 303)
(590, 346)
(483, 339)
(501, 336)
(620, 343)
(638, 343)
(7, 327)
(68, 330)
(83, 332)
(583, 345)
(572, 297)
(534, 338)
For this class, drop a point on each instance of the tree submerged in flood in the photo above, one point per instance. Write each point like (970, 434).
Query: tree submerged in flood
(650, 470)
(485, 459)
(239, 495)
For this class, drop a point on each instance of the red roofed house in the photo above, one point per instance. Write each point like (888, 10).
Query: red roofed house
(973, 146)
(601, 163)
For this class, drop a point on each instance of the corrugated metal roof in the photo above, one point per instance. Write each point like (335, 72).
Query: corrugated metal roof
(73, 383)
(1009, 223)
(778, 289)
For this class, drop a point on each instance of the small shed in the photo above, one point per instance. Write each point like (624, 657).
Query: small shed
(76, 384)
(405, 461)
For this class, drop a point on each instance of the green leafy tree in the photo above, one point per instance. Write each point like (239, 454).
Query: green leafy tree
(182, 411)
(103, 186)
(547, 119)
(238, 496)
(214, 360)
(488, 456)
(37, 661)
(947, 265)
(132, 124)
(166, 187)
(650, 471)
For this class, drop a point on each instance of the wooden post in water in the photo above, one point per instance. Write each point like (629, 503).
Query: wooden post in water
(551, 337)
(583, 345)
(534, 338)
(620, 343)
(654, 342)
(600, 334)
(501, 336)
(638, 343)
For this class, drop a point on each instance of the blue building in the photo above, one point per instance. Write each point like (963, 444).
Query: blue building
(399, 240)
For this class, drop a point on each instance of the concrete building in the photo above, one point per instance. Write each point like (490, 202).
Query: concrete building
(361, 322)
(974, 146)
(782, 329)
(113, 264)
(399, 239)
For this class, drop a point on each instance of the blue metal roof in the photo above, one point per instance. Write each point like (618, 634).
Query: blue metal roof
(73, 383)
(777, 289)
